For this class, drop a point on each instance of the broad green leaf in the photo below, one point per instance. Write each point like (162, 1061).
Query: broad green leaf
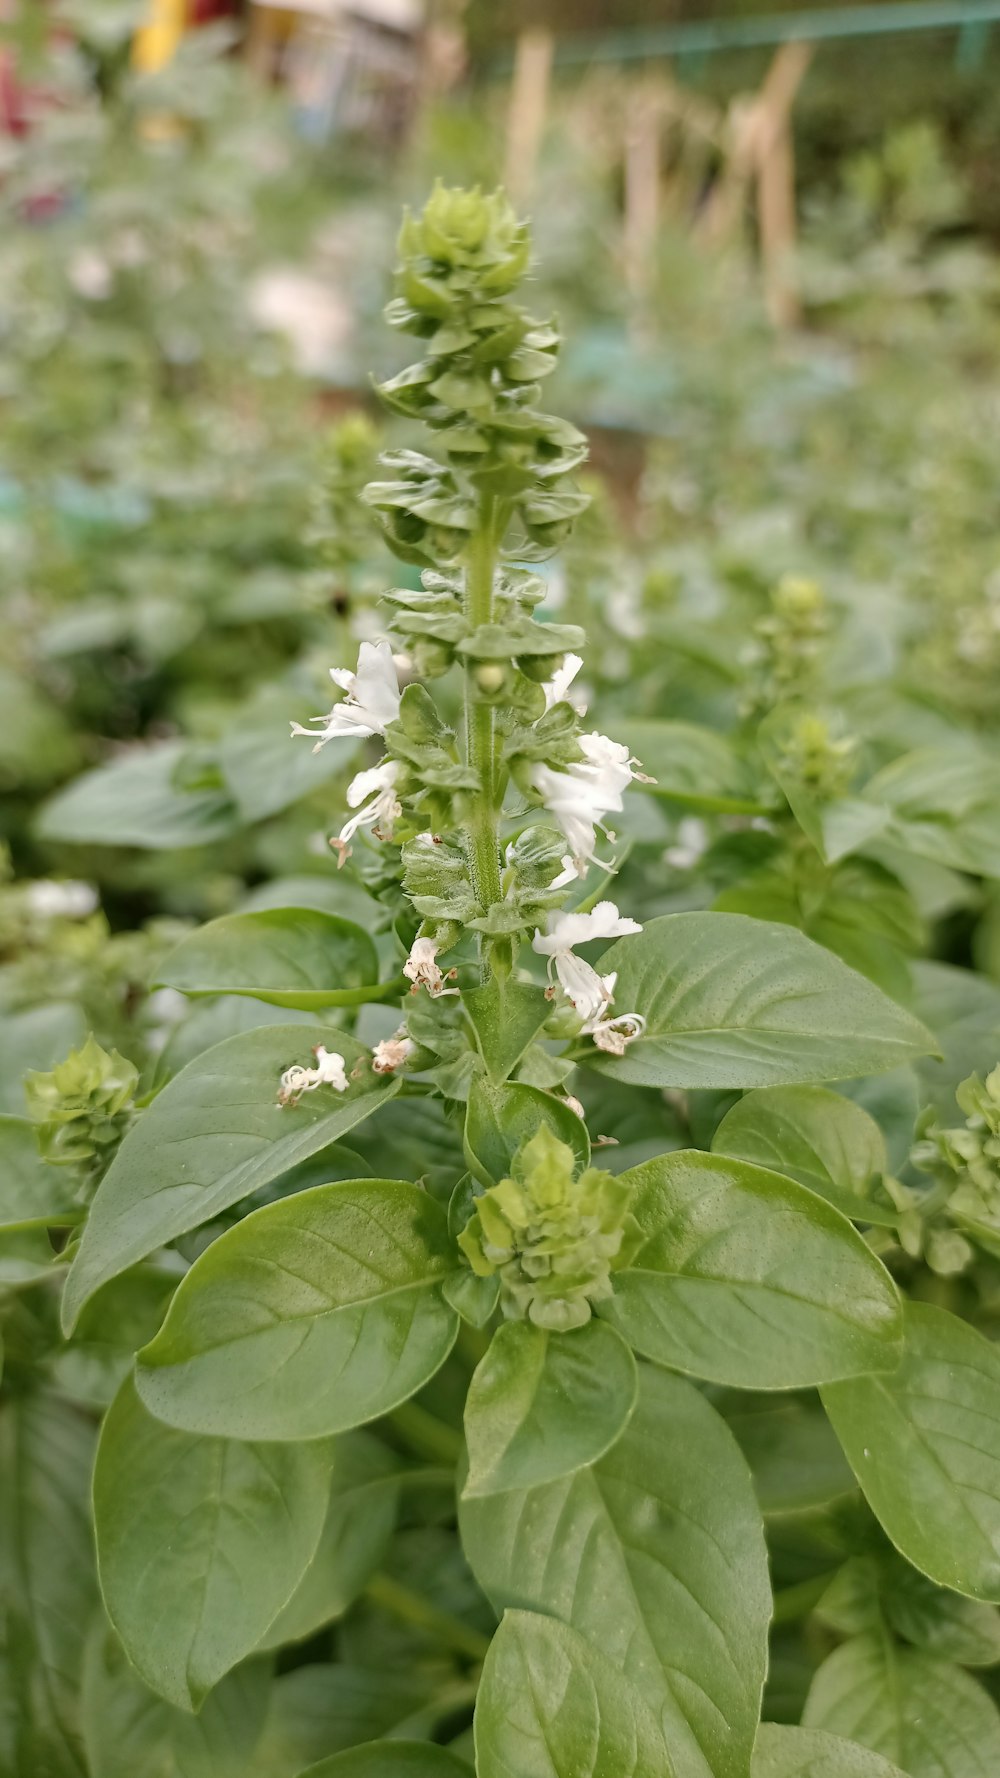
(813, 1135)
(208, 1022)
(552, 1706)
(313, 1315)
(793, 1453)
(940, 1622)
(541, 1404)
(782, 1752)
(963, 1010)
(360, 1517)
(48, 1590)
(200, 1543)
(499, 1118)
(263, 770)
(925, 1445)
(333, 894)
(36, 1039)
(656, 1556)
(214, 1135)
(131, 1733)
(746, 1278)
(923, 1715)
(735, 1002)
(692, 766)
(943, 804)
(391, 1759)
(31, 1191)
(320, 1709)
(123, 1315)
(152, 797)
(295, 957)
(506, 1016)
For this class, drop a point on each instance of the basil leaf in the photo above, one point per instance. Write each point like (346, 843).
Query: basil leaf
(391, 1759)
(734, 1002)
(214, 1135)
(297, 957)
(695, 767)
(31, 1191)
(746, 1278)
(925, 1445)
(813, 1135)
(129, 1731)
(140, 800)
(499, 1118)
(541, 1404)
(655, 1555)
(313, 1315)
(552, 1706)
(200, 1542)
(927, 1717)
(781, 1752)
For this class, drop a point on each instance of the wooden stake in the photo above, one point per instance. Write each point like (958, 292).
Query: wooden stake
(642, 185)
(528, 105)
(775, 163)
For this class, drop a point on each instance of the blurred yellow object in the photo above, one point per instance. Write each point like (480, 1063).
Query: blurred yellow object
(154, 43)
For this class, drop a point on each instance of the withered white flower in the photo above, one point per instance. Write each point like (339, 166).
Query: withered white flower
(328, 1072)
(589, 992)
(614, 1035)
(372, 700)
(393, 1052)
(422, 969)
(581, 794)
(372, 793)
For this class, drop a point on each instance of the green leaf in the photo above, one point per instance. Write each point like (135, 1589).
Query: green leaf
(813, 1135)
(694, 767)
(36, 1039)
(296, 957)
(782, 1752)
(552, 1706)
(792, 1450)
(655, 1555)
(313, 1315)
(48, 1590)
(963, 1009)
(140, 800)
(940, 1622)
(264, 769)
(214, 1135)
(499, 1118)
(944, 805)
(320, 1709)
(360, 1518)
(505, 1015)
(541, 1405)
(929, 1718)
(735, 1002)
(200, 1542)
(925, 1445)
(129, 1731)
(31, 1191)
(391, 1759)
(746, 1278)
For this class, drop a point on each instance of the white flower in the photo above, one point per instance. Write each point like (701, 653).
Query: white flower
(612, 1035)
(68, 900)
(567, 875)
(328, 1072)
(372, 700)
(589, 992)
(581, 794)
(380, 810)
(392, 1052)
(555, 689)
(422, 969)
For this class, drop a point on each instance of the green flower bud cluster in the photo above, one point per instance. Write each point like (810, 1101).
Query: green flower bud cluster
(818, 761)
(788, 645)
(82, 1108)
(476, 386)
(553, 1238)
(966, 1163)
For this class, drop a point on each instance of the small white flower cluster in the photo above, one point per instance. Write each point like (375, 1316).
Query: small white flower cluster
(581, 794)
(328, 1072)
(589, 993)
(422, 969)
(372, 702)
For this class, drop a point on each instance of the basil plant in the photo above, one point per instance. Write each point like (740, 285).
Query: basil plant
(433, 1456)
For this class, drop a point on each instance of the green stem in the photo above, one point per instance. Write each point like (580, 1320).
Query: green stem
(425, 1435)
(480, 738)
(792, 1603)
(413, 1609)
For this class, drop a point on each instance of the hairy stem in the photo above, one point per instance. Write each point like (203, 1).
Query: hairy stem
(484, 850)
